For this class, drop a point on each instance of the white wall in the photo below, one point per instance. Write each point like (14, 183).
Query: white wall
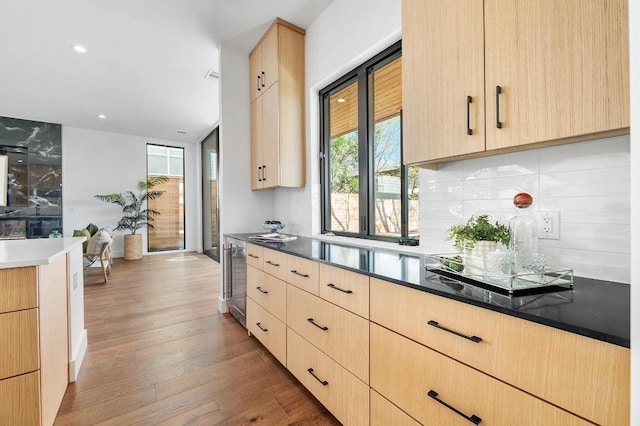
(242, 210)
(634, 18)
(346, 34)
(95, 162)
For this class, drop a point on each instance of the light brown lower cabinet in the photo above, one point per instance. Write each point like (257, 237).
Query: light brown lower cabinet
(384, 413)
(342, 335)
(437, 390)
(271, 332)
(34, 345)
(20, 398)
(346, 396)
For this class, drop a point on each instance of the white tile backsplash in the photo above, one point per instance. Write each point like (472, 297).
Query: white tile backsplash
(589, 182)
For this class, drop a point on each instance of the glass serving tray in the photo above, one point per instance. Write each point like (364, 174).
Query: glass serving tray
(450, 265)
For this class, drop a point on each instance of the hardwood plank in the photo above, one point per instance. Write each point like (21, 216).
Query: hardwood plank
(160, 353)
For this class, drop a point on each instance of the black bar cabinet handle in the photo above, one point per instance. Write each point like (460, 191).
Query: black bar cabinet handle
(472, 418)
(262, 78)
(323, 382)
(260, 174)
(258, 82)
(260, 327)
(272, 263)
(323, 328)
(436, 324)
(261, 290)
(253, 256)
(298, 273)
(338, 288)
(469, 102)
(264, 172)
(498, 92)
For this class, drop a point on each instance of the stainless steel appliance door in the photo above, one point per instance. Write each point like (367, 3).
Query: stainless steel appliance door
(236, 278)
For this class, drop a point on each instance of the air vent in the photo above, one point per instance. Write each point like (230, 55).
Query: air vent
(211, 75)
(181, 132)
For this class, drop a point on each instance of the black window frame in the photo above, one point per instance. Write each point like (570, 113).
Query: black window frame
(363, 74)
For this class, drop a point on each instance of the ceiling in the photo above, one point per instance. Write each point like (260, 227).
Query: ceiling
(145, 64)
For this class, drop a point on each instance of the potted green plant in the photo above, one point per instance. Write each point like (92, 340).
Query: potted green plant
(135, 215)
(476, 237)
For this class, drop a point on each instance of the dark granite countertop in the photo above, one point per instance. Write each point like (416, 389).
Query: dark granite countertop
(593, 308)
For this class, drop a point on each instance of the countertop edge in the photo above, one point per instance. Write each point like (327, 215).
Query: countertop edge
(568, 327)
(57, 247)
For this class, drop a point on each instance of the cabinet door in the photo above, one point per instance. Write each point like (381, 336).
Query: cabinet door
(562, 66)
(255, 74)
(270, 58)
(54, 340)
(256, 144)
(443, 64)
(270, 138)
(421, 381)
(20, 400)
(338, 333)
(19, 347)
(271, 332)
(337, 389)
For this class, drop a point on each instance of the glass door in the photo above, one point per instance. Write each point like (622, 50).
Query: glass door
(167, 230)
(210, 223)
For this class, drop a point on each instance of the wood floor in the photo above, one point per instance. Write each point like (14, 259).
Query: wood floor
(160, 353)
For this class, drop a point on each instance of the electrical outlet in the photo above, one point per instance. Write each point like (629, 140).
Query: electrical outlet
(549, 224)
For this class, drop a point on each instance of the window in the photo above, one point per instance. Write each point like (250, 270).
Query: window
(366, 191)
(167, 232)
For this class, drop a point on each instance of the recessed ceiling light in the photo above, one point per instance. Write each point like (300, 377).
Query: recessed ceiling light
(341, 100)
(181, 132)
(78, 48)
(102, 116)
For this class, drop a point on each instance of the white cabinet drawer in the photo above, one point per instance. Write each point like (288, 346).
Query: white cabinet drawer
(267, 291)
(541, 360)
(347, 289)
(271, 332)
(338, 333)
(303, 273)
(340, 391)
(421, 381)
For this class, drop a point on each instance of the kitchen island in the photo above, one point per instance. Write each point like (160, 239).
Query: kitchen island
(402, 321)
(41, 326)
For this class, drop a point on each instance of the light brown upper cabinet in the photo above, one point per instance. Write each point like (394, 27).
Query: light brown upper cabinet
(503, 75)
(276, 67)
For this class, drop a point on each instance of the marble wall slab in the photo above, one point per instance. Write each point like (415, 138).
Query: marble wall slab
(34, 203)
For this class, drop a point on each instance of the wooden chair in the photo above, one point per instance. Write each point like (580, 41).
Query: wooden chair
(104, 256)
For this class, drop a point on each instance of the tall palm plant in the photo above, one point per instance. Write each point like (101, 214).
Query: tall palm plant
(135, 216)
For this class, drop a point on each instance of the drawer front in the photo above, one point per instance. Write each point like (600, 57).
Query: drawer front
(338, 333)
(303, 273)
(255, 256)
(340, 391)
(268, 292)
(275, 263)
(347, 289)
(19, 349)
(20, 398)
(271, 332)
(420, 381)
(384, 413)
(18, 289)
(542, 360)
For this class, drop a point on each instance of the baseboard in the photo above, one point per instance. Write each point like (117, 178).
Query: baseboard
(222, 305)
(76, 360)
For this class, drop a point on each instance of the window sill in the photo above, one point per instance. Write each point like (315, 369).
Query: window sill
(362, 242)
